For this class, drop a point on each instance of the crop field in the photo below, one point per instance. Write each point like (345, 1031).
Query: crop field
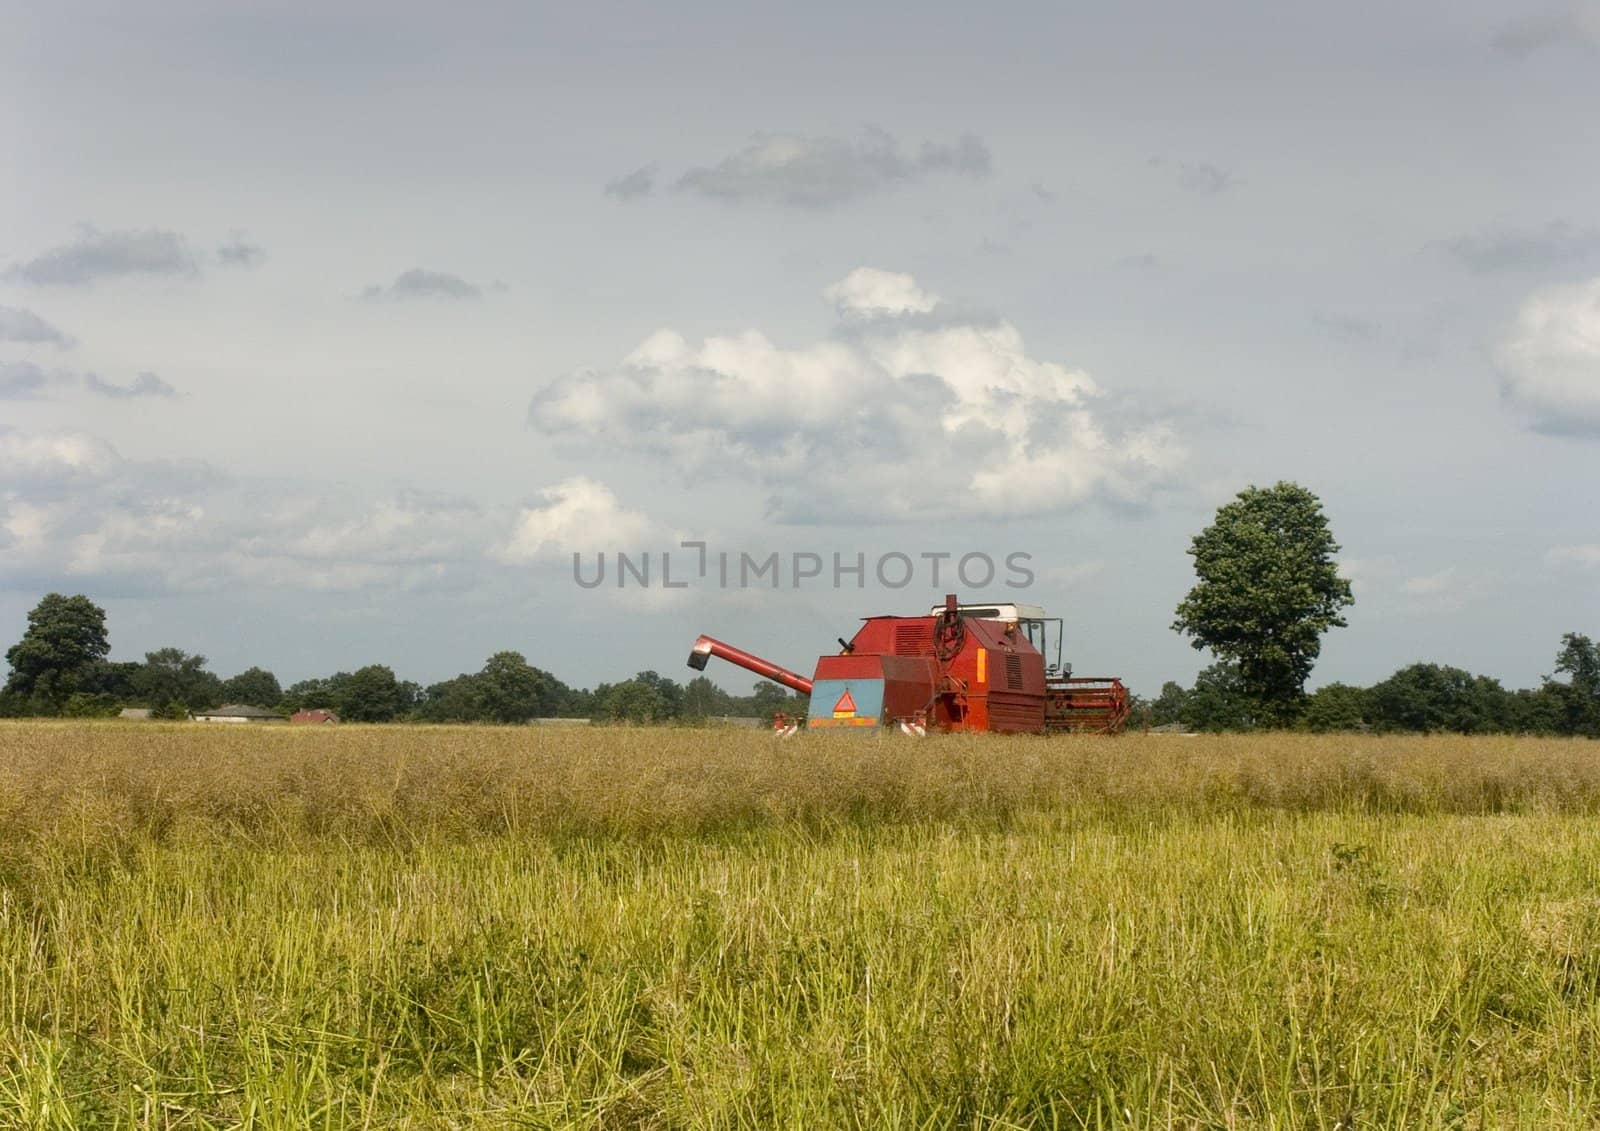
(208, 927)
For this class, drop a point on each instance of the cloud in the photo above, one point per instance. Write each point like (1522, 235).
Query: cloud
(640, 182)
(909, 411)
(22, 381)
(1552, 28)
(869, 293)
(1585, 557)
(1550, 362)
(820, 172)
(1429, 585)
(1205, 178)
(408, 541)
(577, 515)
(45, 464)
(1448, 590)
(18, 325)
(1555, 245)
(239, 252)
(97, 255)
(1362, 573)
(1201, 177)
(418, 283)
(145, 385)
(72, 507)
(1074, 577)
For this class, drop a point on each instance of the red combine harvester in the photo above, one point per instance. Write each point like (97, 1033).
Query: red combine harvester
(961, 667)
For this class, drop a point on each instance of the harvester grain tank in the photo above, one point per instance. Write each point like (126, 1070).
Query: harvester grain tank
(961, 667)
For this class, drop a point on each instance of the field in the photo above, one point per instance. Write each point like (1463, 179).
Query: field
(522, 927)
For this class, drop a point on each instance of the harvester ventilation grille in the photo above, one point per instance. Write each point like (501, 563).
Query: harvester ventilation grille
(914, 639)
(1013, 671)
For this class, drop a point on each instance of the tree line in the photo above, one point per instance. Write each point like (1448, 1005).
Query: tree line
(60, 669)
(1419, 698)
(1267, 590)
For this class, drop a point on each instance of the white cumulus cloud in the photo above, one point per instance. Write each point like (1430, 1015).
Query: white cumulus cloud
(1550, 363)
(908, 411)
(868, 292)
(576, 515)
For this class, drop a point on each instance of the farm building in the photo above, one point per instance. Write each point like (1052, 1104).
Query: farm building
(134, 713)
(317, 715)
(237, 713)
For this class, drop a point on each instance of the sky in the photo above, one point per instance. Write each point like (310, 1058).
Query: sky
(329, 334)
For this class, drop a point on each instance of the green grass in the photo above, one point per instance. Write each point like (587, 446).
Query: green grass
(459, 927)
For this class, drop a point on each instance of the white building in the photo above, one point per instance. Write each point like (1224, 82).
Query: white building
(237, 713)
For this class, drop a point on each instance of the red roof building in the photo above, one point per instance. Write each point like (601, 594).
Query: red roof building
(318, 715)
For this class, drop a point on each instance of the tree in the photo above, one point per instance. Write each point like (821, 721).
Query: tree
(452, 701)
(579, 703)
(1219, 701)
(372, 694)
(173, 676)
(1268, 589)
(633, 701)
(1436, 697)
(1536, 711)
(768, 699)
(1167, 708)
(65, 638)
(118, 679)
(510, 690)
(310, 693)
(702, 699)
(1338, 706)
(90, 705)
(670, 691)
(1578, 696)
(256, 687)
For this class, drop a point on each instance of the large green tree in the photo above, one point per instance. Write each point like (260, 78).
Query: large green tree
(372, 694)
(171, 676)
(1268, 588)
(511, 690)
(58, 654)
(256, 687)
(452, 701)
(1437, 697)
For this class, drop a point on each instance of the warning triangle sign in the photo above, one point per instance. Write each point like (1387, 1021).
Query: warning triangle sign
(846, 705)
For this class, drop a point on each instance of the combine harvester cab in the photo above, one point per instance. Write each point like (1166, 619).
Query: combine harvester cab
(972, 668)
